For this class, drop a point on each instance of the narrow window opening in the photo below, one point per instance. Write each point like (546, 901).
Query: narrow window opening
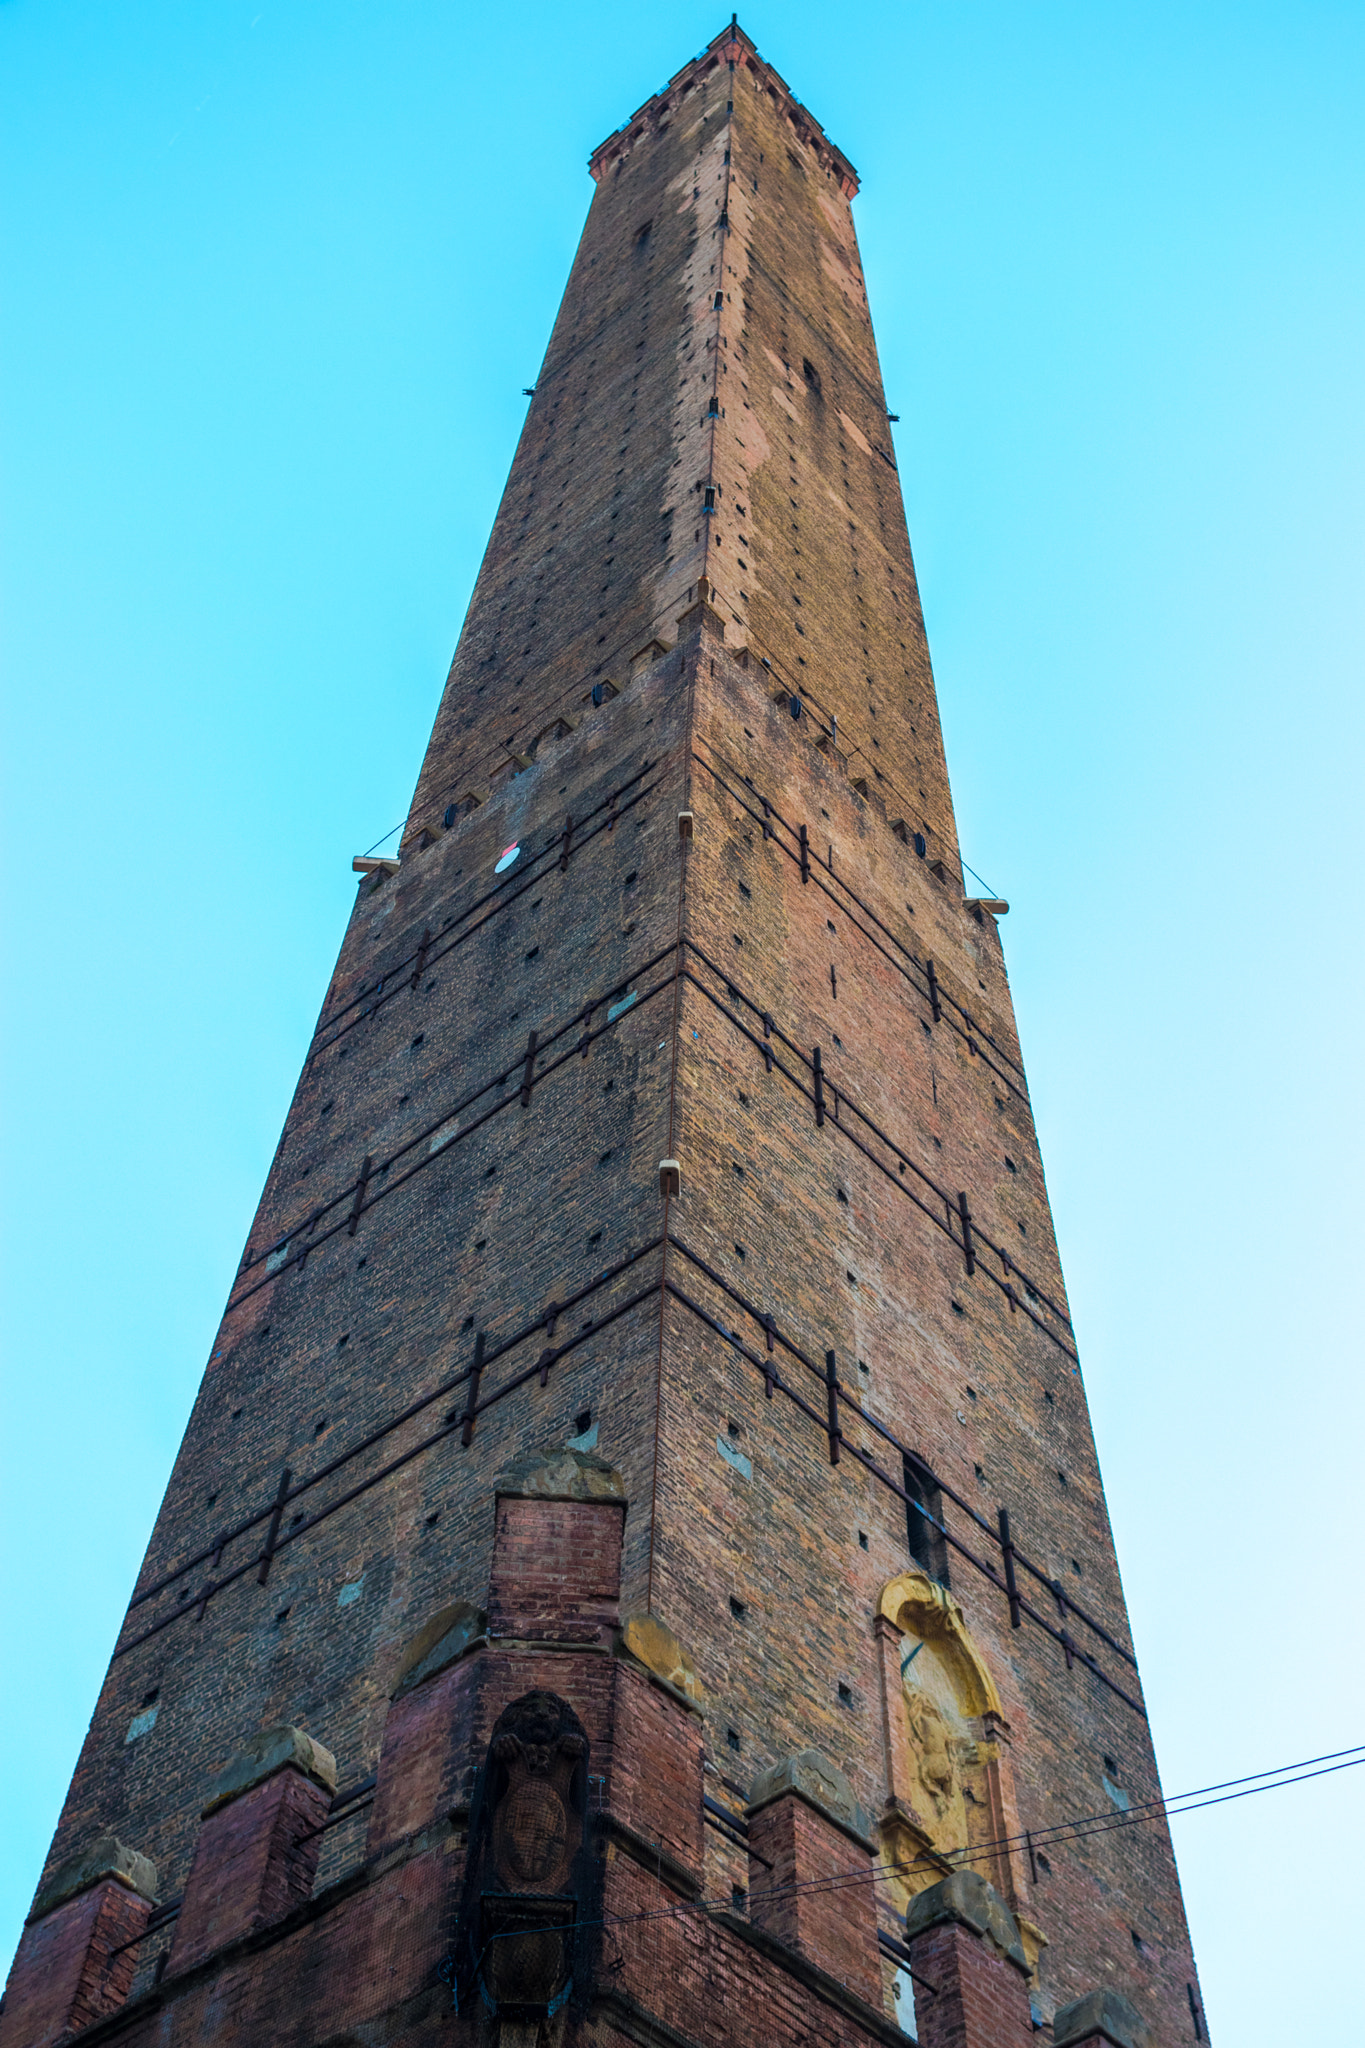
(924, 1509)
(737, 1608)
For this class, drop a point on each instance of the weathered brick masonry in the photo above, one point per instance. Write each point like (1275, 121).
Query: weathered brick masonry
(563, 1508)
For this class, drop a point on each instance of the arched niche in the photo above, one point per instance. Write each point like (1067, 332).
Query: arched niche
(950, 1794)
(926, 1613)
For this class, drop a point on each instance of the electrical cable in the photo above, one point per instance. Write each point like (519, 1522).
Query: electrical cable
(1079, 1828)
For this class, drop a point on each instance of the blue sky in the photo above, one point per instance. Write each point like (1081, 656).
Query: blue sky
(275, 274)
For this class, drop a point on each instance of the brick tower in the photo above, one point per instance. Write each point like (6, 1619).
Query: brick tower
(637, 1569)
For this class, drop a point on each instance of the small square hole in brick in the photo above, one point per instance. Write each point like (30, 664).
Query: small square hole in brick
(845, 1695)
(737, 1608)
(862, 1539)
(731, 1736)
(582, 1422)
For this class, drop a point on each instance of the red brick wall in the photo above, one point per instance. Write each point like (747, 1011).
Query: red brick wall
(817, 1895)
(977, 2000)
(556, 1571)
(771, 1579)
(73, 1966)
(255, 1859)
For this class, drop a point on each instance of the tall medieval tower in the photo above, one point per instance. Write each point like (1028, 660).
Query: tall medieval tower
(637, 1568)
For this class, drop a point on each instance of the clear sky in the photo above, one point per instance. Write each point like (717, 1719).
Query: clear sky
(274, 275)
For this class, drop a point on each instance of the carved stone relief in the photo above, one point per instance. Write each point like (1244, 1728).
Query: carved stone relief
(950, 1797)
(530, 1877)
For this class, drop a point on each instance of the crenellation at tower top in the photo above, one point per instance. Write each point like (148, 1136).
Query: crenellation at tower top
(730, 51)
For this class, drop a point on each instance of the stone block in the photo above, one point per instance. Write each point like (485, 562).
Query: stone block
(1101, 2016)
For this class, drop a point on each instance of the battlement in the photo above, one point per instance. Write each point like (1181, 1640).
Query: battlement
(540, 1796)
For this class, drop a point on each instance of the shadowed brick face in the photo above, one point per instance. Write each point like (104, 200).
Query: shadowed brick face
(699, 599)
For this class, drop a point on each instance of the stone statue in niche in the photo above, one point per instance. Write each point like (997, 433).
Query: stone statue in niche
(948, 1773)
(531, 1879)
(937, 1771)
(944, 1751)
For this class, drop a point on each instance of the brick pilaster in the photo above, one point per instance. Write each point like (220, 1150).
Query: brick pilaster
(811, 1870)
(556, 1573)
(966, 1953)
(259, 1843)
(78, 1951)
